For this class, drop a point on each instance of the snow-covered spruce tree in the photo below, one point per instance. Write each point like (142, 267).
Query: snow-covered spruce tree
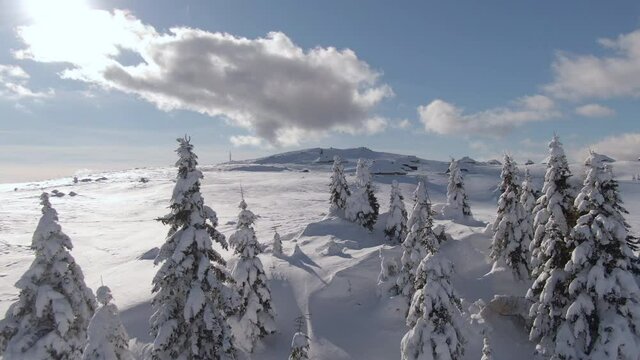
(457, 201)
(191, 303)
(256, 314)
(299, 347)
(510, 245)
(49, 320)
(527, 204)
(549, 291)
(487, 353)
(277, 244)
(389, 269)
(612, 197)
(107, 337)
(528, 193)
(338, 188)
(434, 315)
(396, 227)
(603, 316)
(362, 205)
(419, 242)
(557, 199)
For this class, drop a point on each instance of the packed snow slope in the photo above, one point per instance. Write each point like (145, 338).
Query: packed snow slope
(329, 269)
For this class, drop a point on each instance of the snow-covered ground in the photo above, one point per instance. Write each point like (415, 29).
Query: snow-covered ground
(111, 223)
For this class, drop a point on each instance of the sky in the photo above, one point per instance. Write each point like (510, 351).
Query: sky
(88, 85)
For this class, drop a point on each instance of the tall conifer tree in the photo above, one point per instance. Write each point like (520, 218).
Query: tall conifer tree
(191, 293)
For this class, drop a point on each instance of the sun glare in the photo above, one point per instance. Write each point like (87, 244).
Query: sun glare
(49, 10)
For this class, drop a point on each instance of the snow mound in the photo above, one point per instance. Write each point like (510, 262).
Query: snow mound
(332, 248)
(258, 168)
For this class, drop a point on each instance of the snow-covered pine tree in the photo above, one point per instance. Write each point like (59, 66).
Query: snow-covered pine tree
(191, 301)
(612, 198)
(487, 353)
(49, 320)
(256, 314)
(299, 347)
(527, 203)
(557, 199)
(527, 193)
(510, 245)
(338, 188)
(107, 337)
(389, 269)
(277, 244)
(419, 242)
(434, 315)
(603, 316)
(457, 201)
(396, 227)
(362, 205)
(549, 291)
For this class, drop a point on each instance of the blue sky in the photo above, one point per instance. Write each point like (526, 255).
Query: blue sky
(86, 86)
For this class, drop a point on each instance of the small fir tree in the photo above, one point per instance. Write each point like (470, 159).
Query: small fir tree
(396, 227)
(277, 244)
(419, 242)
(487, 353)
(256, 313)
(434, 315)
(389, 270)
(49, 320)
(108, 339)
(362, 205)
(557, 199)
(299, 347)
(549, 291)
(338, 188)
(509, 245)
(457, 201)
(191, 302)
(603, 315)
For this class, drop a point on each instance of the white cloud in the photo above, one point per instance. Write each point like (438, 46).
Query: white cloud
(375, 125)
(13, 84)
(271, 86)
(403, 124)
(245, 140)
(444, 118)
(595, 111)
(589, 76)
(619, 147)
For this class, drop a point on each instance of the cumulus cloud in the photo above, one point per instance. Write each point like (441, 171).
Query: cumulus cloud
(589, 76)
(619, 147)
(246, 140)
(13, 84)
(268, 85)
(445, 118)
(595, 111)
(402, 124)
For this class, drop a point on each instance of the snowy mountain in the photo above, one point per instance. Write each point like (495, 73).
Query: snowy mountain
(382, 163)
(329, 270)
